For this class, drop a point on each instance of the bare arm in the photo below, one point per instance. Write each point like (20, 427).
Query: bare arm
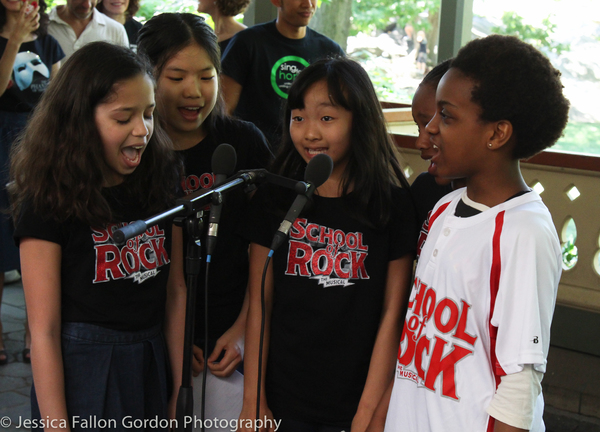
(55, 68)
(383, 359)
(231, 91)
(175, 314)
(258, 255)
(232, 342)
(377, 423)
(40, 267)
(26, 24)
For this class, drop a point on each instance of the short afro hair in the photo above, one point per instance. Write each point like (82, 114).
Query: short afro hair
(232, 7)
(516, 82)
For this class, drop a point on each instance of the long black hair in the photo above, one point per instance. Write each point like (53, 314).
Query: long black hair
(166, 34)
(373, 166)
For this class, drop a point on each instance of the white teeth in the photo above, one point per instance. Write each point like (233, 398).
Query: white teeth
(316, 151)
(435, 147)
(191, 109)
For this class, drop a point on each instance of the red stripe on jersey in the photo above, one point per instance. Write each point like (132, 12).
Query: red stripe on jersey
(439, 211)
(494, 286)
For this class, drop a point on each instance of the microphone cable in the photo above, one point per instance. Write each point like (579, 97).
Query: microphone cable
(317, 172)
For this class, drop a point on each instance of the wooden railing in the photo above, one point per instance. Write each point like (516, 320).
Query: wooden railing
(557, 173)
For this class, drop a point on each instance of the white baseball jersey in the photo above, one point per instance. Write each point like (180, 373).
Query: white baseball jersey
(480, 308)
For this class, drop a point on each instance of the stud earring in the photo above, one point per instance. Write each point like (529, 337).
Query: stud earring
(490, 145)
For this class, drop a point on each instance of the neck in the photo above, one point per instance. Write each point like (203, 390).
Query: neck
(495, 187)
(289, 31)
(332, 188)
(225, 26)
(120, 18)
(186, 140)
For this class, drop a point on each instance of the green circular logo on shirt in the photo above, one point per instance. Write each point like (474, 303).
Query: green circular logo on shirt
(284, 72)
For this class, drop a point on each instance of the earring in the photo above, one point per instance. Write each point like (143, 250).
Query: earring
(490, 145)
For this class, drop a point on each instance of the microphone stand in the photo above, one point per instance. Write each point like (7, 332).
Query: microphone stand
(189, 212)
(185, 398)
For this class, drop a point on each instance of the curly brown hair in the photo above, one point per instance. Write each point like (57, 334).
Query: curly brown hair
(57, 163)
(132, 9)
(232, 7)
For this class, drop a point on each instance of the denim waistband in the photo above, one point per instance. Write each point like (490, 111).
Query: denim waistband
(94, 333)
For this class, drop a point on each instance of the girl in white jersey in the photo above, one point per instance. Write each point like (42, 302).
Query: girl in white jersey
(476, 335)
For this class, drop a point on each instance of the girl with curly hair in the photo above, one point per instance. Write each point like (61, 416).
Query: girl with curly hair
(106, 319)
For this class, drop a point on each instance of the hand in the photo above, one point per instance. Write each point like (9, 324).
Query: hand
(361, 421)
(234, 351)
(197, 361)
(248, 416)
(27, 23)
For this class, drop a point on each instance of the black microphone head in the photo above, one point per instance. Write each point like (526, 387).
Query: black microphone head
(224, 160)
(318, 170)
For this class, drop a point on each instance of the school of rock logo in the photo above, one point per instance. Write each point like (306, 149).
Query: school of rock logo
(139, 258)
(284, 73)
(192, 183)
(421, 359)
(332, 257)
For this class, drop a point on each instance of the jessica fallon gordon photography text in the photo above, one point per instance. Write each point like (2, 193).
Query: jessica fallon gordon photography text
(129, 422)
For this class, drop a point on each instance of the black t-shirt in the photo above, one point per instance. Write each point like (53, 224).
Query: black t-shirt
(30, 73)
(329, 285)
(427, 193)
(102, 283)
(223, 45)
(132, 27)
(229, 264)
(265, 63)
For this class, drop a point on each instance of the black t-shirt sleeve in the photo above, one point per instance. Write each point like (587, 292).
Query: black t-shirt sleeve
(31, 224)
(262, 218)
(258, 152)
(426, 193)
(237, 59)
(402, 224)
(54, 50)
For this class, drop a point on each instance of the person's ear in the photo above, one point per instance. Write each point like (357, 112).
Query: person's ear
(501, 134)
(276, 3)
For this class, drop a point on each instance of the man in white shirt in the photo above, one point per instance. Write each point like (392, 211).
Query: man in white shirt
(79, 22)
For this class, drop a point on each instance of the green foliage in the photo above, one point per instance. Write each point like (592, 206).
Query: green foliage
(540, 37)
(581, 138)
(371, 14)
(52, 3)
(569, 254)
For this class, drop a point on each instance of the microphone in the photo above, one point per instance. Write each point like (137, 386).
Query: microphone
(223, 162)
(317, 172)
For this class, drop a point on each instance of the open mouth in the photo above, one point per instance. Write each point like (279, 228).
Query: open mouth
(133, 154)
(190, 113)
